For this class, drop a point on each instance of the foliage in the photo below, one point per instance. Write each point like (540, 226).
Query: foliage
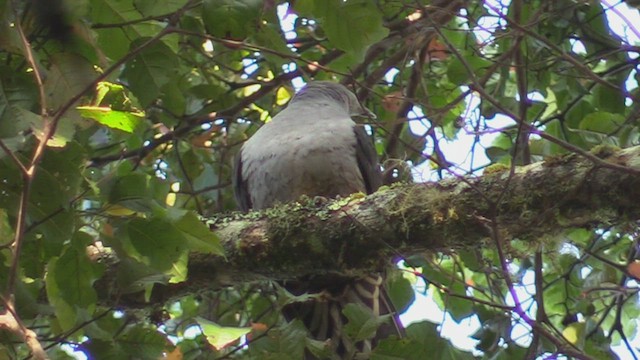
(119, 120)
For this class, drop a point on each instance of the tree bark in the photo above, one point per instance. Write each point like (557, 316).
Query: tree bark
(353, 235)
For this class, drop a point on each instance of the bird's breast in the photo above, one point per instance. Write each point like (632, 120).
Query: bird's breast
(316, 161)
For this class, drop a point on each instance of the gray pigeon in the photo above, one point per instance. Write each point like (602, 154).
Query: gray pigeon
(314, 148)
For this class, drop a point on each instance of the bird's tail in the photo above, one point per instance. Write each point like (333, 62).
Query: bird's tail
(324, 315)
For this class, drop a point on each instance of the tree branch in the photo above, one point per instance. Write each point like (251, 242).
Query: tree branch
(351, 236)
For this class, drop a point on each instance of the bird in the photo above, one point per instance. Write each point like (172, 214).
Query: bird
(314, 148)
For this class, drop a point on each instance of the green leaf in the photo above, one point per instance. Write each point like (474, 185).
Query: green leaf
(362, 29)
(121, 120)
(146, 343)
(602, 122)
(500, 147)
(362, 324)
(495, 326)
(488, 337)
(6, 231)
(270, 36)
(68, 76)
(114, 41)
(579, 236)
(57, 182)
(64, 132)
(154, 242)
(578, 112)
(10, 40)
(283, 343)
(458, 73)
(17, 91)
(157, 8)
(221, 336)
(472, 259)
(134, 276)
(113, 96)
(400, 291)
(151, 69)
(457, 306)
(512, 351)
(231, 19)
(132, 190)
(199, 237)
(423, 341)
(69, 284)
(104, 349)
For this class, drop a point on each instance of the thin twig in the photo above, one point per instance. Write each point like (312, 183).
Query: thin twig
(13, 157)
(562, 344)
(11, 321)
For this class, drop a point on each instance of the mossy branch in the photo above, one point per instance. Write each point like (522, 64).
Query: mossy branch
(356, 234)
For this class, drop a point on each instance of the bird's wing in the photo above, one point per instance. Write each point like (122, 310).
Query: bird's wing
(240, 186)
(367, 160)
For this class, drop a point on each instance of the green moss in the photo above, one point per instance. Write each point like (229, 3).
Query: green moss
(496, 168)
(409, 214)
(554, 160)
(604, 150)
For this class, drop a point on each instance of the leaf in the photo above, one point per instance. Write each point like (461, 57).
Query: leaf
(145, 343)
(602, 122)
(64, 132)
(362, 324)
(115, 41)
(121, 120)
(284, 343)
(574, 333)
(458, 73)
(57, 181)
(199, 237)
(457, 306)
(134, 276)
(69, 75)
(9, 36)
(129, 188)
(154, 242)
(488, 338)
(271, 37)
(113, 96)
(157, 8)
(500, 147)
(400, 291)
(221, 336)
(231, 19)
(118, 210)
(69, 284)
(512, 351)
(17, 91)
(103, 348)
(6, 231)
(179, 269)
(423, 341)
(151, 69)
(363, 28)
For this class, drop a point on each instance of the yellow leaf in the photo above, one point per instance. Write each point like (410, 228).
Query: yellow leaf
(574, 333)
(118, 210)
(282, 96)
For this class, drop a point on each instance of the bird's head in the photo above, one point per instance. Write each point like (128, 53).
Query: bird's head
(330, 91)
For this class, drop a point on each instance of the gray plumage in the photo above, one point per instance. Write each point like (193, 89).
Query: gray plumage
(314, 148)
